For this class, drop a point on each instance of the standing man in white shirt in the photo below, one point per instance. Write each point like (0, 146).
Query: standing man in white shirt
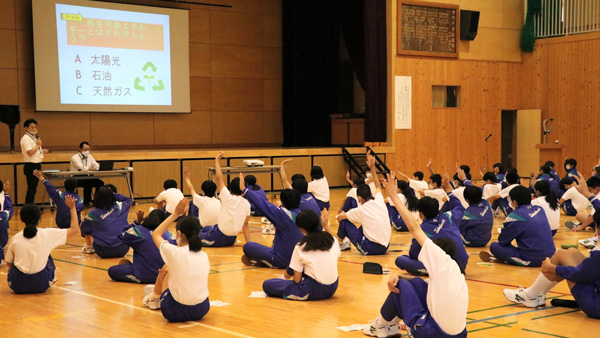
(33, 154)
(83, 161)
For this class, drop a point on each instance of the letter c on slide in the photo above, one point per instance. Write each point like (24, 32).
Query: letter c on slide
(77, 90)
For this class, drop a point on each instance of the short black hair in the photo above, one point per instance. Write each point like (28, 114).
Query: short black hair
(460, 182)
(209, 188)
(104, 198)
(437, 179)
(154, 219)
(70, 184)
(521, 195)
(449, 247)
(593, 182)
(170, 184)
(571, 161)
(429, 207)
(489, 176)
(465, 168)
(290, 198)
(419, 175)
(250, 180)
(84, 143)
(500, 167)
(550, 164)
(472, 194)
(545, 169)
(316, 173)
(234, 186)
(111, 187)
(298, 177)
(301, 186)
(358, 181)
(28, 122)
(30, 215)
(565, 181)
(512, 178)
(364, 191)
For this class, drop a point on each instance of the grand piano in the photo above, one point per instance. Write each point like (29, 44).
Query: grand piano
(10, 115)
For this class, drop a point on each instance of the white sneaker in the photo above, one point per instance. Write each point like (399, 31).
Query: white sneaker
(148, 289)
(518, 296)
(345, 244)
(264, 220)
(376, 331)
(88, 249)
(395, 329)
(153, 303)
(269, 230)
(589, 243)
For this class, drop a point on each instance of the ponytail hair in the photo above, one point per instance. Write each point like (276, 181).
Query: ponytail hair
(543, 189)
(30, 215)
(190, 227)
(411, 200)
(315, 239)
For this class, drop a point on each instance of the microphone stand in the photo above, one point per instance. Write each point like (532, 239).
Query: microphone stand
(487, 152)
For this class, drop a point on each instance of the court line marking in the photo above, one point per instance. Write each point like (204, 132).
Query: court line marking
(85, 294)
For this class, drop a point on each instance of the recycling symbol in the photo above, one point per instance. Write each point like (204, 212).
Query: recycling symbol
(149, 80)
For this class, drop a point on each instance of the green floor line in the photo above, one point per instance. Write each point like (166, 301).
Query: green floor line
(545, 333)
(87, 266)
(507, 305)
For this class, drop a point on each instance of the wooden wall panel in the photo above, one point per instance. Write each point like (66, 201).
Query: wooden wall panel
(149, 176)
(198, 173)
(299, 165)
(334, 169)
(7, 174)
(118, 182)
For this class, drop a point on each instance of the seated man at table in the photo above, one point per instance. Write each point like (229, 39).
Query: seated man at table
(83, 161)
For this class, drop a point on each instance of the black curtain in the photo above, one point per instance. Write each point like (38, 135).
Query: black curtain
(352, 16)
(376, 71)
(310, 30)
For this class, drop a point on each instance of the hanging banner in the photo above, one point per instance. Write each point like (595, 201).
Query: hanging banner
(403, 100)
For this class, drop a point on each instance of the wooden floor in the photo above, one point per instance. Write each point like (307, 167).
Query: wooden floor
(85, 302)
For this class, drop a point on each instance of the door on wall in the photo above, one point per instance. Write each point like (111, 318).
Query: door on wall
(508, 137)
(529, 134)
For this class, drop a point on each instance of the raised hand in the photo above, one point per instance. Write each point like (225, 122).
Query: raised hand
(38, 174)
(181, 208)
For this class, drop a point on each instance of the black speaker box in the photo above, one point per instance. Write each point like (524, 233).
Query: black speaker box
(469, 21)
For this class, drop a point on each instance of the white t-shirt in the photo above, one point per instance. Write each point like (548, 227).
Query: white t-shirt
(439, 194)
(460, 194)
(318, 265)
(28, 143)
(552, 215)
(352, 194)
(30, 255)
(491, 189)
(403, 199)
(374, 218)
(418, 185)
(78, 162)
(188, 273)
(234, 210)
(173, 196)
(208, 209)
(580, 203)
(447, 293)
(506, 191)
(320, 189)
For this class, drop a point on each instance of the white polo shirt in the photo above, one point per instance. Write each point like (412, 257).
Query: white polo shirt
(403, 199)
(418, 185)
(491, 189)
(79, 162)
(580, 203)
(447, 293)
(460, 194)
(318, 265)
(374, 218)
(28, 143)
(30, 255)
(439, 194)
(320, 189)
(188, 273)
(209, 209)
(506, 191)
(172, 196)
(234, 210)
(552, 215)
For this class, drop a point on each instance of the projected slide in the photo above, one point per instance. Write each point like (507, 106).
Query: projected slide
(113, 57)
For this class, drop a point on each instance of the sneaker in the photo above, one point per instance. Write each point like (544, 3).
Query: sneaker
(376, 331)
(518, 296)
(153, 303)
(345, 244)
(251, 262)
(589, 243)
(264, 220)
(148, 289)
(269, 230)
(396, 329)
(88, 249)
(571, 224)
(496, 212)
(487, 257)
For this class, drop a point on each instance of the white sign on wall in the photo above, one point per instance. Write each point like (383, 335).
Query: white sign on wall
(403, 100)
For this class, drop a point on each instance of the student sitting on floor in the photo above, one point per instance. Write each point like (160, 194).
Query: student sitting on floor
(168, 198)
(307, 200)
(574, 203)
(491, 186)
(183, 296)
(545, 174)
(373, 237)
(146, 257)
(409, 199)
(435, 190)
(500, 172)
(580, 272)
(103, 224)
(553, 173)
(250, 182)
(500, 200)
(30, 266)
(234, 213)
(63, 214)
(546, 198)
(478, 219)
(436, 225)
(319, 187)
(529, 226)
(206, 206)
(436, 308)
(571, 169)
(351, 200)
(416, 183)
(313, 263)
(6, 213)
(287, 234)
(584, 189)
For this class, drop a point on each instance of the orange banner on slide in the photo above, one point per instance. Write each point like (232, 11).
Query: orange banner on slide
(114, 34)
